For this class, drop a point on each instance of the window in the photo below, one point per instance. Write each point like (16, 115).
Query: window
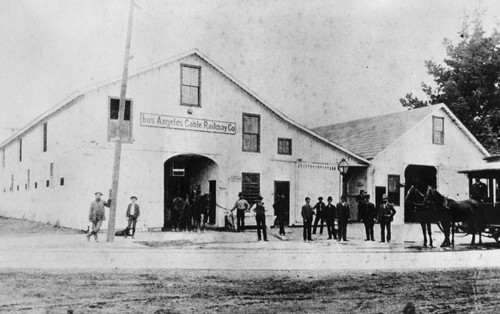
(251, 133)
(438, 130)
(36, 185)
(250, 186)
(51, 174)
(393, 189)
(44, 139)
(190, 85)
(61, 181)
(114, 107)
(284, 146)
(47, 183)
(20, 149)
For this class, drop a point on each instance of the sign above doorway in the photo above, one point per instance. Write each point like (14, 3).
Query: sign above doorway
(185, 123)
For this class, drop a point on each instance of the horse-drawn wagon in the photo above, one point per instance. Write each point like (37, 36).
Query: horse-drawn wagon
(484, 185)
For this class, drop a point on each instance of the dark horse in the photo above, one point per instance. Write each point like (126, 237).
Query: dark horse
(425, 214)
(468, 211)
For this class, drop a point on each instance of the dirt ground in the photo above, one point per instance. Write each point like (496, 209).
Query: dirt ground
(215, 291)
(117, 290)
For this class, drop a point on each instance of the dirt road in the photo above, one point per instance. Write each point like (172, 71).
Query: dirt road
(215, 291)
(52, 270)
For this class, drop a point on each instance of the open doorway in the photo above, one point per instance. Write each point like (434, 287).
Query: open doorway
(283, 188)
(182, 173)
(421, 177)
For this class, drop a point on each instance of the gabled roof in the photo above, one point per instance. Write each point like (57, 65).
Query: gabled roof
(76, 96)
(368, 137)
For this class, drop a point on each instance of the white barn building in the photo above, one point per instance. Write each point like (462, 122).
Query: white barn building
(425, 146)
(188, 122)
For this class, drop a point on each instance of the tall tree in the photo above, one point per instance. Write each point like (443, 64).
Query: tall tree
(468, 83)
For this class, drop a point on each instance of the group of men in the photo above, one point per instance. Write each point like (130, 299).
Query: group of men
(97, 216)
(340, 213)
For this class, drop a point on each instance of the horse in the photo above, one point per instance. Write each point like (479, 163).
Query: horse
(201, 207)
(179, 209)
(425, 215)
(469, 211)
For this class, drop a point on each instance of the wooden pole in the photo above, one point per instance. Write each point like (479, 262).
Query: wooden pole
(121, 116)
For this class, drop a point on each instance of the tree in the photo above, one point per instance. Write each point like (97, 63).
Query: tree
(468, 83)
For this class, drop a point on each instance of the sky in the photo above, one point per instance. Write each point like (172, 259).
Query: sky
(319, 62)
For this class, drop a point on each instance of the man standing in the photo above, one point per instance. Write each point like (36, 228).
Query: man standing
(343, 216)
(97, 215)
(368, 214)
(133, 213)
(385, 216)
(241, 207)
(478, 190)
(260, 218)
(307, 215)
(280, 212)
(319, 208)
(330, 218)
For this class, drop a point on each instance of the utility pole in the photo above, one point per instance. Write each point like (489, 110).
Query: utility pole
(121, 116)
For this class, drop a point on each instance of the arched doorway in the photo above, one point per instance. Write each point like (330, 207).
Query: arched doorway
(421, 177)
(182, 172)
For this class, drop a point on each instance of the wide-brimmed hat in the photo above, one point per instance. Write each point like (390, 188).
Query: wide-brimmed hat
(385, 196)
(260, 197)
(133, 197)
(320, 198)
(330, 198)
(98, 193)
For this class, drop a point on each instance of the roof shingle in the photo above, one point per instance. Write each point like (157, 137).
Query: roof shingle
(369, 136)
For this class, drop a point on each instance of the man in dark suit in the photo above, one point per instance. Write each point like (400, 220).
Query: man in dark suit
(343, 216)
(280, 212)
(478, 191)
(368, 214)
(319, 208)
(307, 215)
(385, 216)
(330, 218)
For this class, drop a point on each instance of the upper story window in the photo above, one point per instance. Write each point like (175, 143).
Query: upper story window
(251, 132)
(438, 130)
(284, 146)
(190, 85)
(114, 107)
(44, 137)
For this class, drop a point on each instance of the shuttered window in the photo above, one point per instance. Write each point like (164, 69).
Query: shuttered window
(284, 146)
(251, 132)
(250, 186)
(114, 107)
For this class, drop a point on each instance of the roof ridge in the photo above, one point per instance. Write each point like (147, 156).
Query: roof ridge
(377, 116)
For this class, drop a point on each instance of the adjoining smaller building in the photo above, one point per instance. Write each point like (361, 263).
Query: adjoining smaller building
(421, 147)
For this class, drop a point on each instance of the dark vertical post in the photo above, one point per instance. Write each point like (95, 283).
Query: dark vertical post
(121, 115)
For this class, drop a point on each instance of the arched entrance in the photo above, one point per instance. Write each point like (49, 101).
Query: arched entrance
(182, 172)
(420, 177)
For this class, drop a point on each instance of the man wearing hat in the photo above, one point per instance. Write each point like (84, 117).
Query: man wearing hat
(260, 218)
(343, 216)
(329, 213)
(241, 207)
(307, 216)
(133, 213)
(368, 214)
(319, 208)
(97, 215)
(385, 216)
